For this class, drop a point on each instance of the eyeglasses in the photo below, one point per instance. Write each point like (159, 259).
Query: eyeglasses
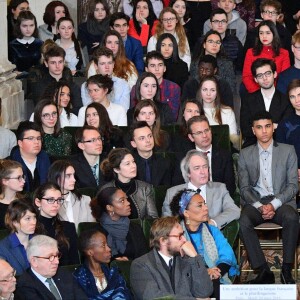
(221, 22)
(10, 277)
(33, 138)
(179, 236)
(214, 42)
(169, 20)
(270, 13)
(51, 258)
(200, 133)
(296, 47)
(266, 74)
(19, 178)
(49, 116)
(52, 200)
(94, 140)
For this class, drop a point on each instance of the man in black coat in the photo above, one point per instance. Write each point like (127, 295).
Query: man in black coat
(87, 163)
(44, 280)
(151, 167)
(266, 98)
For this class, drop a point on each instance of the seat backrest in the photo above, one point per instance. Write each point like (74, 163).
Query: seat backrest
(4, 233)
(220, 136)
(159, 196)
(124, 269)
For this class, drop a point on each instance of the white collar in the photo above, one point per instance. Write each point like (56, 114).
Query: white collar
(26, 41)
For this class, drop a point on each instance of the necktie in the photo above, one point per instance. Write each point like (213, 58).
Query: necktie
(205, 152)
(147, 171)
(171, 265)
(94, 170)
(53, 289)
(198, 191)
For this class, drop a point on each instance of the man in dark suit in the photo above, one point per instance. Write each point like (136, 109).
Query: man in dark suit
(266, 98)
(87, 163)
(44, 280)
(220, 160)
(268, 177)
(172, 268)
(151, 167)
(133, 47)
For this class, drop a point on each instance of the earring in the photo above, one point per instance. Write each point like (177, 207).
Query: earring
(187, 222)
(112, 213)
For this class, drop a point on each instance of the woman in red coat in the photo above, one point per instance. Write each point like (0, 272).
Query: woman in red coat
(267, 45)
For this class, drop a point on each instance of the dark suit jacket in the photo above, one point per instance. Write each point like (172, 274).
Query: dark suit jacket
(160, 168)
(252, 103)
(29, 287)
(83, 172)
(149, 278)
(134, 52)
(221, 167)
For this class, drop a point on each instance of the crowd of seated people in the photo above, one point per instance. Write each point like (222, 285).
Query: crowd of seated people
(124, 135)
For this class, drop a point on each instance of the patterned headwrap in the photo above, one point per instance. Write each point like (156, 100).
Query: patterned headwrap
(185, 200)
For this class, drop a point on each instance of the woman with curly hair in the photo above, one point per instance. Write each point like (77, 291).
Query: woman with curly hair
(48, 199)
(170, 23)
(53, 12)
(143, 22)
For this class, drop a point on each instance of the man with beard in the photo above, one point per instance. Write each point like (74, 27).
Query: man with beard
(172, 268)
(266, 98)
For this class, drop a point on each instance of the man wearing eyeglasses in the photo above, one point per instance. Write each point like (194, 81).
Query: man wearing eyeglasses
(232, 21)
(195, 171)
(172, 268)
(7, 281)
(44, 280)
(266, 98)
(87, 163)
(35, 161)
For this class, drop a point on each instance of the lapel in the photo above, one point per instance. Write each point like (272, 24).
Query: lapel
(209, 195)
(275, 104)
(260, 103)
(17, 254)
(61, 286)
(275, 159)
(254, 162)
(43, 290)
(86, 169)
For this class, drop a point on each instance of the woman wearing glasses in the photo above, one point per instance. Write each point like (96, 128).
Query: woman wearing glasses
(207, 239)
(21, 221)
(48, 200)
(170, 23)
(211, 44)
(120, 167)
(76, 207)
(111, 208)
(12, 182)
(56, 141)
(267, 45)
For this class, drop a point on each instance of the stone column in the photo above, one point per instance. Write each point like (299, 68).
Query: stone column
(10, 89)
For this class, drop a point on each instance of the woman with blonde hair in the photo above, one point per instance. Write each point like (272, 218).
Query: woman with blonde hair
(12, 181)
(170, 23)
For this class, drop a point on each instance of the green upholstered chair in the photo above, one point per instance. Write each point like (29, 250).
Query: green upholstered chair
(4, 233)
(89, 191)
(124, 269)
(86, 226)
(72, 130)
(231, 231)
(70, 268)
(159, 196)
(146, 225)
(220, 135)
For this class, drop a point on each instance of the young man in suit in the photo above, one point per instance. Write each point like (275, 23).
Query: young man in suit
(7, 280)
(195, 171)
(35, 161)
(87, 163)
(172, 268)
(151, 167)
(268, 177)
(133, 47)
(266, 98)
(44, 280)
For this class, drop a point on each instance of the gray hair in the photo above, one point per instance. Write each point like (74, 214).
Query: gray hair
(37, 242)
(185, 163)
